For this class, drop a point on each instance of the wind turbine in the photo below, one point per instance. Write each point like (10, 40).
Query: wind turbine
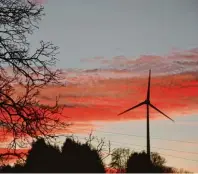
(147, 103)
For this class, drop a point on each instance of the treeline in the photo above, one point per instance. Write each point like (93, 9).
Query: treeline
(76, 157)
(72, 157)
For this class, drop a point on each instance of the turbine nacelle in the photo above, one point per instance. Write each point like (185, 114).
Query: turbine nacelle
(147, 102)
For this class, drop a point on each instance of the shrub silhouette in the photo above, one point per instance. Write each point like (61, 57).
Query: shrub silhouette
(42, 158)
(119, 158)
(17, 168)
(74, 158)
(6, 169)
(138, 163)
(78, 158)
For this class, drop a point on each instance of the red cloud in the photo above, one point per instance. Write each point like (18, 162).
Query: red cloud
(173, 94)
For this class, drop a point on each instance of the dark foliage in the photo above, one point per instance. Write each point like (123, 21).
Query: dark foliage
(81, 158)
(78, 158)
(17, 168)
(6, 169)
(45, 158)
(42, 158)
(139, 163)
(119, 158)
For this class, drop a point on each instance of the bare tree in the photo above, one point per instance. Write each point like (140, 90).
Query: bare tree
(100, 145)
(22, 117)
(119, 158)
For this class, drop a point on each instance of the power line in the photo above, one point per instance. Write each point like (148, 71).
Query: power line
(175, 157)
(116, 143)
(163, 153)
(141, 136)
(195, 153)
(179, 157)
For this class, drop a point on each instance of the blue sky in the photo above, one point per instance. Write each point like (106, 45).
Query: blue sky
(108, 28)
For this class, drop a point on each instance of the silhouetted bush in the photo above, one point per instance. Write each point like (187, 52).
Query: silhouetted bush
(17, 168)
(139, 163)
(6, 169)
(80, 158)
(43, 158)
(74, 158)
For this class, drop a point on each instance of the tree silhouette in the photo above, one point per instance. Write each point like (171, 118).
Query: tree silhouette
(6, 169)
(43, 158)
(22, 116)
(157, 159)
(119, 158)
(138, 163)
(80, 158)
(17, 168)
(74, 158)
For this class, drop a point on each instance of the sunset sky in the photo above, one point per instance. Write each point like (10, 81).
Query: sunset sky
(106, 50)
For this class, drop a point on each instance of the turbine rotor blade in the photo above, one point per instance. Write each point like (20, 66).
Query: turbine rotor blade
(132, 108)
(161, 112)
(149, 82)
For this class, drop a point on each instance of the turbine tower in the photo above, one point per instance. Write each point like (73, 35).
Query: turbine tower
(147, 103)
